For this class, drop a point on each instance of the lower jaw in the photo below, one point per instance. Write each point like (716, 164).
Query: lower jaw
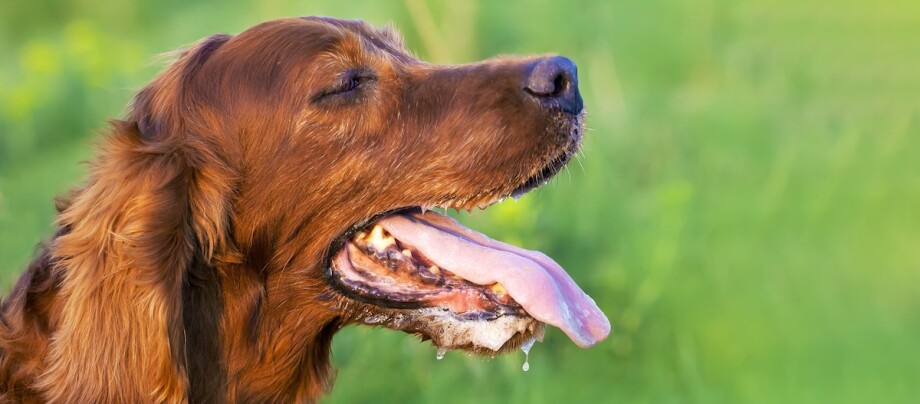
(451, 312)
(449, 332)
(478, 331)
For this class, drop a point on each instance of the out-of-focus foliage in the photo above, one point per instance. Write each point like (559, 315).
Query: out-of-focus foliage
(746, 209)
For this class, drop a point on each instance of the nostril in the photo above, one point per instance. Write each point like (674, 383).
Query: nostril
(560, 84)
(553, 81)
(548, 88)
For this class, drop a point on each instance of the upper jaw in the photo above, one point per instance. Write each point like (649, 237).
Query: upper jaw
(571, 127)
(540, 176)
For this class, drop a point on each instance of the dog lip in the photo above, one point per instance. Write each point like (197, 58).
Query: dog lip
(575, 128)
(538, 285)
(488, 329)
(544, 174)
(350, 280)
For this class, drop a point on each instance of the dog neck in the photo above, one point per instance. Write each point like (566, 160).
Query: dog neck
(245, 343)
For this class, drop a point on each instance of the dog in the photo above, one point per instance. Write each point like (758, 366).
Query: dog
(268, 189)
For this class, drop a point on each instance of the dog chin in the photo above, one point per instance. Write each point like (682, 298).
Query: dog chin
(449, 332)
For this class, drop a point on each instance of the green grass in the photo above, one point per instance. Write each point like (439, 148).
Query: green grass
(745, 209)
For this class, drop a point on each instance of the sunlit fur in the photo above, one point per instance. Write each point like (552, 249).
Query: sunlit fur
(189, 266)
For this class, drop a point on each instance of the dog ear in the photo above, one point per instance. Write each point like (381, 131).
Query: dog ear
(155, 202)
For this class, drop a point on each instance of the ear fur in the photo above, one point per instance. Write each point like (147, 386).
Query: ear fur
(155, 201)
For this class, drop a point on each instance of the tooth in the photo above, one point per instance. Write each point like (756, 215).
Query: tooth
(498, 289)
(407, 253)
(379, 240)
(435, 270)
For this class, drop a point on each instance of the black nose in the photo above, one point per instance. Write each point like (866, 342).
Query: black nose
(553, 82)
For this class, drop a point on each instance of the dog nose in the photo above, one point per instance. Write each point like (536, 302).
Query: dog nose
(553, 82)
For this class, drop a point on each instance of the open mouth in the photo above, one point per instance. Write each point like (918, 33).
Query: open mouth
(423, 272)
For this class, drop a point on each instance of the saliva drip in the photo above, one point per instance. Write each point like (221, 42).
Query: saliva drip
(441, 352)
(526, 348)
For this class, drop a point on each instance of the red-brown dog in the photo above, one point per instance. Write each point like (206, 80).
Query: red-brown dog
(268, 189)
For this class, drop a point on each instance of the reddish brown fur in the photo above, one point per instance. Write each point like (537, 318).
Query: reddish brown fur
(190, 265)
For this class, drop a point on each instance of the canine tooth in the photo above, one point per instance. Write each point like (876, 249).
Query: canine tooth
(407, 253)
(379, 240)
(435, 270)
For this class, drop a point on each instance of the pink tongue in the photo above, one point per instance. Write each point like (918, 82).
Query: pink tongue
(534, 280)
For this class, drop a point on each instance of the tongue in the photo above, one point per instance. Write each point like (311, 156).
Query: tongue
(532, 279)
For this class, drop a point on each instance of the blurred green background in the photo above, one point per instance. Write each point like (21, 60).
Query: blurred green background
(746, 209)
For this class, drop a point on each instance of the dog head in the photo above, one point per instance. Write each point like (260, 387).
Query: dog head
(272, 187)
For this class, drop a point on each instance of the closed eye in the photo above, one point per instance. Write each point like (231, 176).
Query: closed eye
(351, 81)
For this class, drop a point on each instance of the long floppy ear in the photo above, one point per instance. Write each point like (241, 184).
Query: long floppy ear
(156, 198)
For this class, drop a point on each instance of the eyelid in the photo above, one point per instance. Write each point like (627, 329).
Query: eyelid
(348, 82)
(359, 75)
